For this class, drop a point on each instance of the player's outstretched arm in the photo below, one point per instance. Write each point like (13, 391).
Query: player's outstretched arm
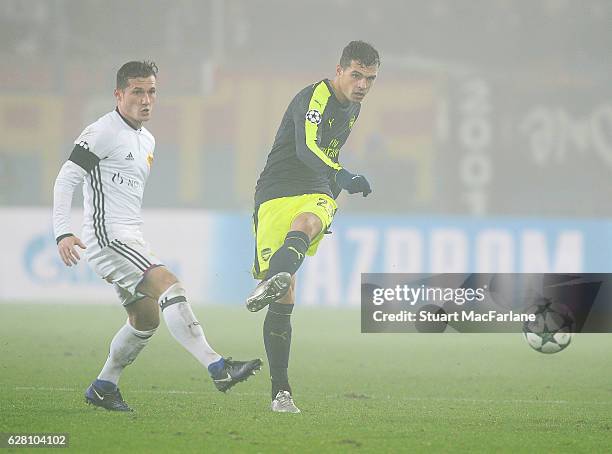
(352, 183)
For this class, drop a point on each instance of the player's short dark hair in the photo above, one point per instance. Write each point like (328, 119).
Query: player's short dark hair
(134, 69)
(360, 51)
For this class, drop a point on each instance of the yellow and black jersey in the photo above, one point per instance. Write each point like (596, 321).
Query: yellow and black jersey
(304, 157)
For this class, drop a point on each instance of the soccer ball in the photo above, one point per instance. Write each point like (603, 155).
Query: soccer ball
(552, 329)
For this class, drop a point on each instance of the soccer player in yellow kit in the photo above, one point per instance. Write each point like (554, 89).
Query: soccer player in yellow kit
(295, 197)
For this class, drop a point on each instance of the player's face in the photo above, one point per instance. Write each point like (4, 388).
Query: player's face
(355, 80)
(135, 102)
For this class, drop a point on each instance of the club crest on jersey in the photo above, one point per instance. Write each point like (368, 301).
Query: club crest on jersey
(313, 116)
(266, 254)
(150, 159)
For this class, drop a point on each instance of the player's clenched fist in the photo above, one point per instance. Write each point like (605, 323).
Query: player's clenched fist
(353, 183)
(67, 250)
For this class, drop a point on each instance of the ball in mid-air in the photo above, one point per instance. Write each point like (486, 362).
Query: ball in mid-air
(552, 329)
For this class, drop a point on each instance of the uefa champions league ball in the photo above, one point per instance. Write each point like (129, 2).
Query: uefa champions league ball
(552, 329)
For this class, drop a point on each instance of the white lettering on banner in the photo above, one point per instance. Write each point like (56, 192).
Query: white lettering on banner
(403, 251)
(30, 269)
(326, 279)
(553, 135)
(365, 244)
(494, 252)
(449, 251)
(321, 276)
(567, 253)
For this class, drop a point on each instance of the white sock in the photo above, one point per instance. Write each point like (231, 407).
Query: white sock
(124, 348)
(184, 326)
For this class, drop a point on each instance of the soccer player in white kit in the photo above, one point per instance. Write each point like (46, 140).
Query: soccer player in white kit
(112, 159)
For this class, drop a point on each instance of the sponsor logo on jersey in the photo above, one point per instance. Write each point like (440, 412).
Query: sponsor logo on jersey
(150, 159)
(129, 157)
(330, 121)
(123, 180)
(332, 149)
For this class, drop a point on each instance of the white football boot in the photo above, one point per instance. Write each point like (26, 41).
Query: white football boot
(283, 403)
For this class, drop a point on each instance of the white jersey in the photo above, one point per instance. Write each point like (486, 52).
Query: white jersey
(115, 159)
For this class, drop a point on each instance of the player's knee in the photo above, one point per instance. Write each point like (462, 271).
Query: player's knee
(161, 276)
(308, 223)
(156, 281)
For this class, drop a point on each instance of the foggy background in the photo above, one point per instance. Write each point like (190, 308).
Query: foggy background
(481, 107)
(487, 136)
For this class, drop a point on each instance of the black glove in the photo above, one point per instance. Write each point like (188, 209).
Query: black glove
(335, 189)
(353, 183)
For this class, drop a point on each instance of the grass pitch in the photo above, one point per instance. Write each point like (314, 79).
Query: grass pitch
(358, 392)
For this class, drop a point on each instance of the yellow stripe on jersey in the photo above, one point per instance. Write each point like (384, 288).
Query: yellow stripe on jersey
(318, 102)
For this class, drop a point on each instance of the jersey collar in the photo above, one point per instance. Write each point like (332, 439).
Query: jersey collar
(126, 120)
(331, 90)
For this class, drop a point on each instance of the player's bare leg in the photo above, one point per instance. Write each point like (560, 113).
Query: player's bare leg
(159, 283)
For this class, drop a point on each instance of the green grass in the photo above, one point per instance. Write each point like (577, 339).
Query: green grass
(358, 392)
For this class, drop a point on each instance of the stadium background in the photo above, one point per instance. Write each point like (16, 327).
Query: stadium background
(487, 138)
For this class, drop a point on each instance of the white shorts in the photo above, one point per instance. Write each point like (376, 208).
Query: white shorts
(123, 263)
